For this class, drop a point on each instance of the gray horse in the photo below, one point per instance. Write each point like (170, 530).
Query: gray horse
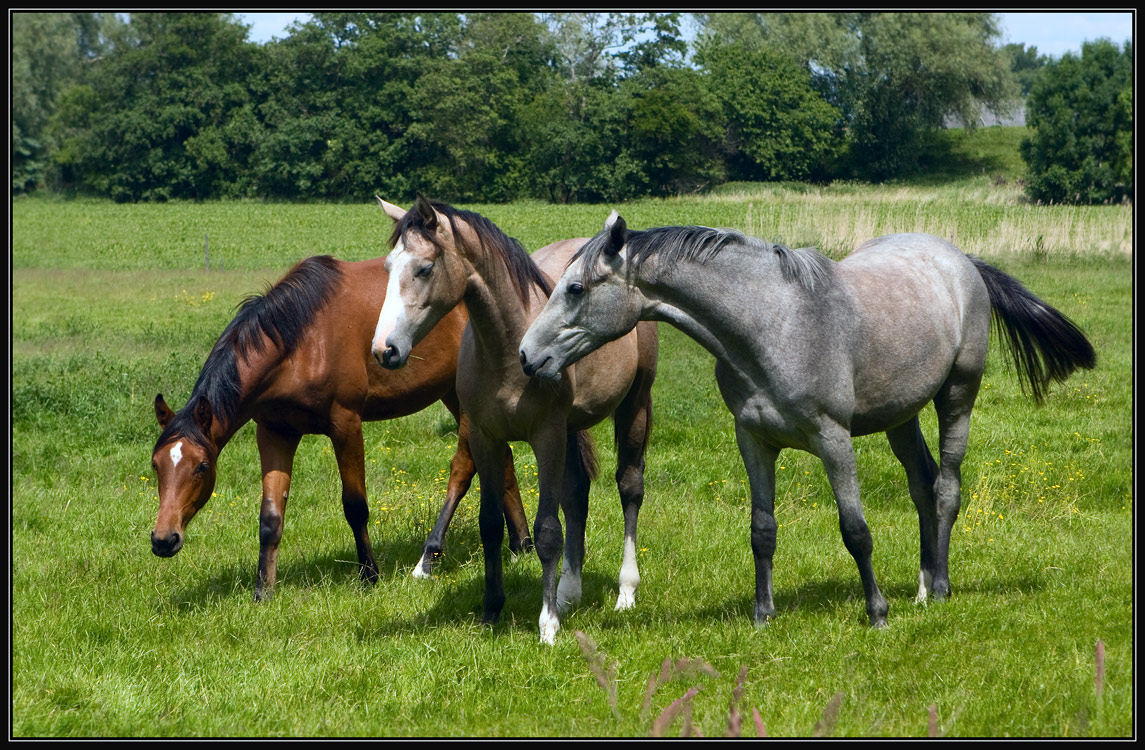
(810, 352)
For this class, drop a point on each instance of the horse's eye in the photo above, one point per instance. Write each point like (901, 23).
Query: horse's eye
(424, 271)
(202, 468)
(576, 287)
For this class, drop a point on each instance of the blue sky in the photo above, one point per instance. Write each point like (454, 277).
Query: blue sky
(1052, 33)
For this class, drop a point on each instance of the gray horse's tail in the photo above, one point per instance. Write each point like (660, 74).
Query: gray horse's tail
(1045, 344)
(585, 453)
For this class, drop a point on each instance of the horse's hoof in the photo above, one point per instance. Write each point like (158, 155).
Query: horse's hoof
(369, 576)
(263, 596)
(625, 600)
(523, 546)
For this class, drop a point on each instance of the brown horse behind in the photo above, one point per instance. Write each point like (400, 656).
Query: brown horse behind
(297, 361)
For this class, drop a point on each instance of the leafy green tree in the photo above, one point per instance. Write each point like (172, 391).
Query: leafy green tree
(676, 129)
(50, 52)
(891, 75)
(468, 108)
(1081, 112)
(1026, 64)
(778, 127)
(577, 141)
(168, 117)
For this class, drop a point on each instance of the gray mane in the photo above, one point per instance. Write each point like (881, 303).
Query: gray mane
(804, 266)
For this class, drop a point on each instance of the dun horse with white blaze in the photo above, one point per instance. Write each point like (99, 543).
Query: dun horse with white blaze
(443, 256)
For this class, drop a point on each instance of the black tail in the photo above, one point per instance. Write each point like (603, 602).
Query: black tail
(586, 453)
(1045, 344)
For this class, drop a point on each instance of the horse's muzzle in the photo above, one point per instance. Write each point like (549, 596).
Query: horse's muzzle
(531, 368)
(166, 546)
(390, 358)
(538, 369)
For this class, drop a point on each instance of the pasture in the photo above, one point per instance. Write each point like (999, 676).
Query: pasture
(111, 304)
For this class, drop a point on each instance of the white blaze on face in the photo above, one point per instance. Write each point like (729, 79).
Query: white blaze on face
(393, 309)
(176, 453)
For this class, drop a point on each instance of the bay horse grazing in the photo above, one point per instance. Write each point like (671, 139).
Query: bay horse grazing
(297, 361)
(810, 352)
(442, 256)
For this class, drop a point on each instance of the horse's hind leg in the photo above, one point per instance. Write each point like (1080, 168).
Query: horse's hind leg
(349, 451)
(954, 402)
(838, 457)
(519, 539)
(633, 425)
(910, 448)
(574, 502)
(461, 471)
(276, 454)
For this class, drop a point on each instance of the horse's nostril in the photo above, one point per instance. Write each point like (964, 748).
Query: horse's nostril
(175, 539)
(524, 359)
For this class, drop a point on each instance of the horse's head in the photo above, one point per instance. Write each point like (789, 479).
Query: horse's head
(426, 280)
(184, 461)
(591, 305)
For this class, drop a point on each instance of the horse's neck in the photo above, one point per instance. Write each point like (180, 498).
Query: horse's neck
(498, 318)
(721, 303)
(254, 372)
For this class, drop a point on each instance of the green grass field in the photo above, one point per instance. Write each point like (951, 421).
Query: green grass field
(111, 304)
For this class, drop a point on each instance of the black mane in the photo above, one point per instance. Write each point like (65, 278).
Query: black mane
(522, 269)
(280, 316)
(804, 265)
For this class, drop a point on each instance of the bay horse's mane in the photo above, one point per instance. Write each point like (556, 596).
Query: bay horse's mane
(522, 270)
(280, 316)
(805, 265)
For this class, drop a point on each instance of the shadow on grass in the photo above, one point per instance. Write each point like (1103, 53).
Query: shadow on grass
(839, 594)
(396, 559)
(461, 603)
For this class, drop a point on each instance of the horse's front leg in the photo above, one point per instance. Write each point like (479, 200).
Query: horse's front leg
(349, 451)
(759, 460)
(548, 536)
(488, 455)
(838, 456)
(276, 454)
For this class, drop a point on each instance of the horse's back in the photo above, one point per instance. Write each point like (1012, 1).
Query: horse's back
(924, 314)
(333, 364)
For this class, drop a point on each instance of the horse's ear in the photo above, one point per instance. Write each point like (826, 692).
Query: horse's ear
(425, 210)
(617, 233)
(394, 212)
(204, 415)
(163, 412)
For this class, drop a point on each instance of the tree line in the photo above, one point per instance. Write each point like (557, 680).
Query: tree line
(561, 107)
